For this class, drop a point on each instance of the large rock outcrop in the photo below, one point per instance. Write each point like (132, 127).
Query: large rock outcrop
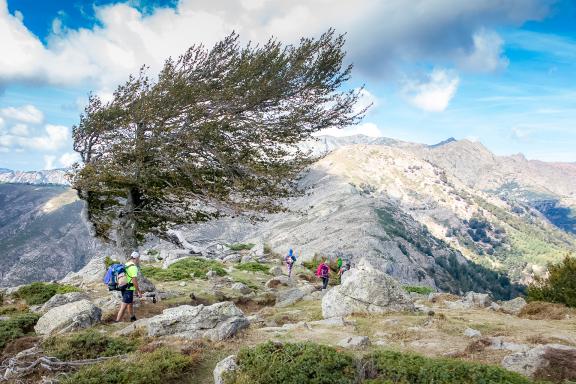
(69, 317)
(365, 289)
(62, 299)
(215, 322)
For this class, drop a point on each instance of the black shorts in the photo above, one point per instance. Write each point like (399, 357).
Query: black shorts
(127, 296)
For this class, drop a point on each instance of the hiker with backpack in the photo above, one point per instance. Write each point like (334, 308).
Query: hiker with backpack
(124, 278)
(343, 268)
(323, 272)
(290, 259)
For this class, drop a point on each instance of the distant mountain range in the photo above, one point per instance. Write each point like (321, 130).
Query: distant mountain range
(441, 215)
(53, 176)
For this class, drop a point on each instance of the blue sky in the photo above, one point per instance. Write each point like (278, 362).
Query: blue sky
(499, 71)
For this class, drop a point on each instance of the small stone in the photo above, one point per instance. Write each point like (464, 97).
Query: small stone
(182, 284)
(355, 342)
(469, 332)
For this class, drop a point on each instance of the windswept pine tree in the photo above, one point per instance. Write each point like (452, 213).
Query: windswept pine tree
(216, 133)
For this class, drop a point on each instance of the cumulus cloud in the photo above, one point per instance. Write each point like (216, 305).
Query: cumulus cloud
(49, 162)
(25, 114)
(54, 137)
(487, 55)
(20, 130)
(434, 92)
(380, 34)
(69, 158)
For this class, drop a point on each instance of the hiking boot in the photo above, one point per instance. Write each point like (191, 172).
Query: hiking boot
(133, 319)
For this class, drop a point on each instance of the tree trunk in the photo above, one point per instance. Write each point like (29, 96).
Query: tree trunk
(126, 241)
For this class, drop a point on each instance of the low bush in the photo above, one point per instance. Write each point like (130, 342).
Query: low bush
(271, 363)
(108, 261)
(17, 326)
(407, 368)
(184, 269)
(241, 246)
(248, 283)
(159, 367)
(87, 345)
(540, 310)
(39, 293)
(559, 287)
(417, 289)
(560, 367)
(253, 267)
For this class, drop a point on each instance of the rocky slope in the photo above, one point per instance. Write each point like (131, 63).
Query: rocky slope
(417, 210)
(42, 234)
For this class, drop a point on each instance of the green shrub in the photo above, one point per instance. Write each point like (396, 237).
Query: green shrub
(293, 364)
(87, 345)
(408, 368)
(418, 289)
(241, 246)
(39, 293)
(108, 261)
(253, 267)
(17, 326)
(159, 367)
(559, 287)
(184, 269)
(248, 283)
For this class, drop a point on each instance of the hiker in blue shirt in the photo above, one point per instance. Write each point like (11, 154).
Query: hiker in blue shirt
(290, 259)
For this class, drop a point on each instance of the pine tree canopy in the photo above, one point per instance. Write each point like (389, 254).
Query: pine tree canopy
(216, 133)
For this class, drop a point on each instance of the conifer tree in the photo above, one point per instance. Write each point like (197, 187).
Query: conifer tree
(216, 133)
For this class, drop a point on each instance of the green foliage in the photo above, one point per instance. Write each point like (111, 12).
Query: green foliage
(87, 345)
(253, 267)
(527, 240)
(184, 270)
(469, 276)
(241, 246)
(408, 368)
(108, 261)
(270, 363)
(17, 326)
(39, 293)
(159, 367)
(418, 289)
(559, 287)
(248, 283)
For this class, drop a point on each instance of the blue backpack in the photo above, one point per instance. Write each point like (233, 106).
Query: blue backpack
(115, 277)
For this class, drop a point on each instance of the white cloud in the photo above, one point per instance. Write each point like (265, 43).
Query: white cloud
(379, 34)
(20, 130)
(26, 114)
(432, 94)
(55, 137)
(69, 158)
(49, 162)
(367, 99)
(487, 55)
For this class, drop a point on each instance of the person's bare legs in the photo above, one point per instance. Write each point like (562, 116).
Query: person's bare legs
(121, 311)
(131, 309)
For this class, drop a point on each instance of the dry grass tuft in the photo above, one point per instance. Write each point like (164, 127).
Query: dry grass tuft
(477, 345)
(561, 366)
(540, 310)
(540, 339)
(445, 297)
